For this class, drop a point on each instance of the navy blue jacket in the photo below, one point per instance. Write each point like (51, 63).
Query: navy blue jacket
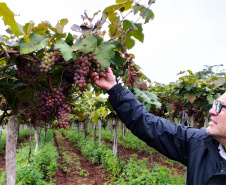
(193, 148)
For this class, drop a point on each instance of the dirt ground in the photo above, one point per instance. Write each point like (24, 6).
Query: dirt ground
(93, 175)
(76, 170)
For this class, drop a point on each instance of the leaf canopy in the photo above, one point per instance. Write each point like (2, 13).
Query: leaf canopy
(36, 43)
(8, 18)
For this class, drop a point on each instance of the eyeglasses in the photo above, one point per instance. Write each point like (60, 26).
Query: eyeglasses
(219, 105)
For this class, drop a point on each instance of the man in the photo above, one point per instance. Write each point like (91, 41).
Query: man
(201, 150)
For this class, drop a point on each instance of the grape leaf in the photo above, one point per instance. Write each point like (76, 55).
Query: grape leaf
(23, 33)
(65, 49)
(6, 42)
(111, 9)
(69, 39)
(86, 45)
(36, 43)
(129, 42)
(60, 25)
(146, 13)
(126, 5)
(8, 18)
(19, 85)
(147, 98)
(94, 116)
(9, 94)
(28, 27)
(136, 8)
(25, 94)
(218, 82)
(210, 99)
(114, 27)
(118, 60)
(42, 28)
(120, 1)
(105, 53)
(191, 98)
(136, 33)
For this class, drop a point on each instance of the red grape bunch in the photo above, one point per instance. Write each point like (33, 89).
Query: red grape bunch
(95, 65)
(63, 112)
(81, 71)
(57, 56)
(27, 71)
(48, 62)
(58, 95)
(82, 68)
(47, 103)
(177, 106)
(69, 75)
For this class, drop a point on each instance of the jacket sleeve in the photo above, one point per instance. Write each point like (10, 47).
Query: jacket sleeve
(170, 139)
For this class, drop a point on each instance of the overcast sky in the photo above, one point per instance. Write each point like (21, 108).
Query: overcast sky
(183, 35)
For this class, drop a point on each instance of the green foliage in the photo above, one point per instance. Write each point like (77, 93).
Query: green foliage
(133, 171)
(8, 18)
(70, 160)
(40, 168)
(3, 140)
(193, 92)
(24, 133)
(96, 153)
(3, 180)
(105, 53)
(24, 60)
(130, 141)
(149, 99)
(137, 172)
(65, 50)
(36, 43)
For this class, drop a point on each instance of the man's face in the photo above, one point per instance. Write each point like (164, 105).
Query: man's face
(217, 125)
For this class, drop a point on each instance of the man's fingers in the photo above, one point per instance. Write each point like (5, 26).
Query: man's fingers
(93, 75)
(95, 78)
(108, 70)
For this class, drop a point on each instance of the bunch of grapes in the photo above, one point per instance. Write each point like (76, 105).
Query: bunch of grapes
(69, 75)
(58, 95)
(65, 85)
(48, 62)
(177, 106)
(190, 112)
(57, 56)
(82, 68)
(47, 103)
(63, 112)
(95, 65)
(27, 71)
(199, 115)
(81, 71)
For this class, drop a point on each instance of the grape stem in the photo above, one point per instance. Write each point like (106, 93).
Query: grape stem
(49, 79)
(9, 65)
(5, 77)
(77, 97)
(34, 56)
(30, 60)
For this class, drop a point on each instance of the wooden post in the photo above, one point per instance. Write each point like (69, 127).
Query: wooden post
(99, 125)
(12, 129)
(115, 136)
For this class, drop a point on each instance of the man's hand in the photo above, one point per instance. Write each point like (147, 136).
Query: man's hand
(106, 82)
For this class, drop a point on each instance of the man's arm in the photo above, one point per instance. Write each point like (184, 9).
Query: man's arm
(170, 139)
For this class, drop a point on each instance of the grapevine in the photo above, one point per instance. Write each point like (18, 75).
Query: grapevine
(46, 70)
